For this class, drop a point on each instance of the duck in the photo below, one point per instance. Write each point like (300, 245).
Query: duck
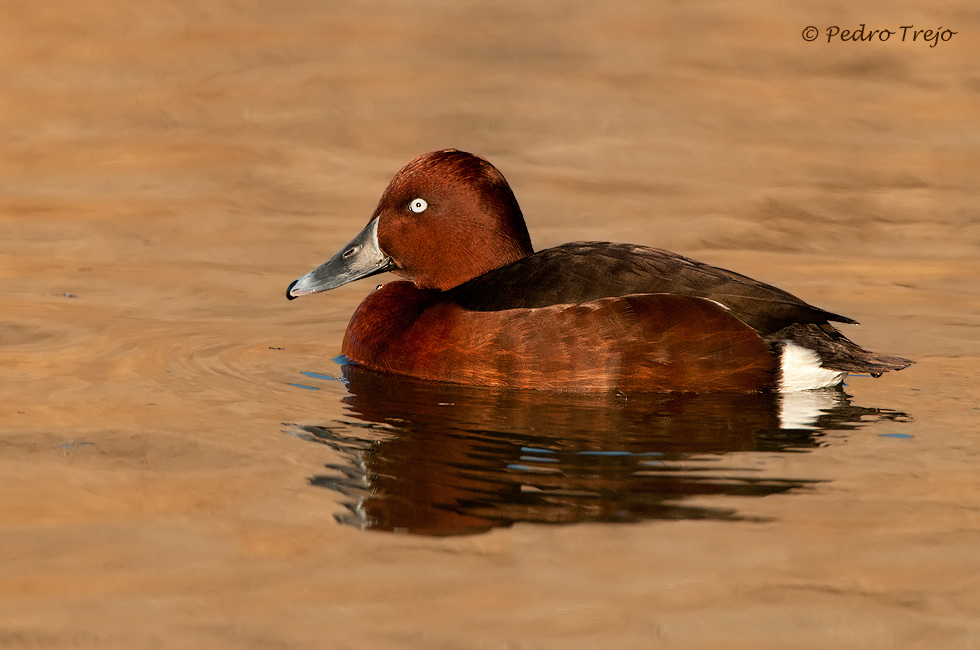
(478, 306)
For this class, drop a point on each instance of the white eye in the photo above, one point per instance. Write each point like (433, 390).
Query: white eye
(418, 205)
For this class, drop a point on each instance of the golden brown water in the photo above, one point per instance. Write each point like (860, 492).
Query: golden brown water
(168, 167)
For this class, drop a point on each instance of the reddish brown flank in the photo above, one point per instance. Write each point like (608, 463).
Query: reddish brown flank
(482, 308)
(641, 343)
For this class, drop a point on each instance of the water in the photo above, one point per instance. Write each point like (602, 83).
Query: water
(169, 167)
(454, 460)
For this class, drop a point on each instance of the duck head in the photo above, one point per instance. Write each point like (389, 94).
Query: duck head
(445, 218)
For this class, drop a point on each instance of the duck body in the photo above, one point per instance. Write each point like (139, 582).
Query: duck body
(482, 308)
(633, 343)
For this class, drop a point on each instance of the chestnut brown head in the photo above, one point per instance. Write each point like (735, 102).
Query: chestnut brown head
(445, 218)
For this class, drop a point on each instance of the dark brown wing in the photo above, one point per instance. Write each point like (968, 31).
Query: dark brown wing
(582, 271)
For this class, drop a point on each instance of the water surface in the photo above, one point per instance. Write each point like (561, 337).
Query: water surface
(168, 167)
(433, 459)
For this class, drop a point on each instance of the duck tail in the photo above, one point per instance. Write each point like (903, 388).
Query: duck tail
(836, 351)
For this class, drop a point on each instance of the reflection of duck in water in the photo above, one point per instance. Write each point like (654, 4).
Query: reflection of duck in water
(438, 459)
(483, 308)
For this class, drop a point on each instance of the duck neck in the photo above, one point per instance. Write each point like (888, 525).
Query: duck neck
(473, 258)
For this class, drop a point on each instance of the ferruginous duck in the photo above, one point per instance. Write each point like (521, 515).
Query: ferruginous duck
(478, 306)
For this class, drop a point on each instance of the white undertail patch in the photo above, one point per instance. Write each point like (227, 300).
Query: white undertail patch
(800, 370)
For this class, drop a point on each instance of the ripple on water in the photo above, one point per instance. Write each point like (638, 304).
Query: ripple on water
(437, 459)
(20, 334)
(193, 362)
(208, 363)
